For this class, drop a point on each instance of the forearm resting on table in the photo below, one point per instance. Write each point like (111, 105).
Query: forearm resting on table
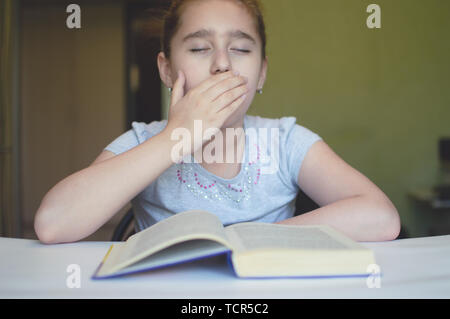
(82, 202)
(362, 218)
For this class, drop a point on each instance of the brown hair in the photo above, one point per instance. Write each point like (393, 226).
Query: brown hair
(172, 18)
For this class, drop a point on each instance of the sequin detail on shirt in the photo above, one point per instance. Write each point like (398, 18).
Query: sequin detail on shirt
(217, 189)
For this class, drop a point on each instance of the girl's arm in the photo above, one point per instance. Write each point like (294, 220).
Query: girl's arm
(82, 202)
(348, 200)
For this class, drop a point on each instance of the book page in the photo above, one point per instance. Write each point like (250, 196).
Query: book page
(182, 252)
(273, 250)
(181, 227)
(258, 236)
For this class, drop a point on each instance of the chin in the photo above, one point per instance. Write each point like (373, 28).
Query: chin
(238, 115)
(235, 118)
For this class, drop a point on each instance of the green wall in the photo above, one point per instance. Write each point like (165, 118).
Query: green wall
(379, 97)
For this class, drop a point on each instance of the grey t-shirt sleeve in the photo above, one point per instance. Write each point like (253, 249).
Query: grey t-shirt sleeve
(296, 140)
(139, 133)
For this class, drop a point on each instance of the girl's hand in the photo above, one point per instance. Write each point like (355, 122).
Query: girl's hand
(212, 102)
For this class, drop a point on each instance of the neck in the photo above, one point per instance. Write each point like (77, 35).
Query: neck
(232, 143)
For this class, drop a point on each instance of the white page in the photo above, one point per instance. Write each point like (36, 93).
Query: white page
(253, 236)
(182, 226)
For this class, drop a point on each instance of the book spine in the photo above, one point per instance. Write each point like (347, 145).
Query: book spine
(94, 276)
(230, 263)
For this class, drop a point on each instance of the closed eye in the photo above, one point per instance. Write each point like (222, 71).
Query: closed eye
(198, 50)
(242, 50)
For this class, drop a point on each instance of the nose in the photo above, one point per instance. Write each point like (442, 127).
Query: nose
(221, 62)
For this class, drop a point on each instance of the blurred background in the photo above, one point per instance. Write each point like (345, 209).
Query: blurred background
(379, 97)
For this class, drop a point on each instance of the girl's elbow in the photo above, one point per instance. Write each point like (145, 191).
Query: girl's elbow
(387, 219)
(45, 225)
(391, 225)
(45, 236)
(42, 228)
(397, 225)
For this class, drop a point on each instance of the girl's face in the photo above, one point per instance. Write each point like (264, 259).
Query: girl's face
(213, 37)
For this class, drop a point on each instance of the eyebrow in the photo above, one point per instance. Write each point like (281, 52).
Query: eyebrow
(203, 33)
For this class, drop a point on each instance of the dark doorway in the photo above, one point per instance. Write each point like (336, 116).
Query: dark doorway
(143, 29)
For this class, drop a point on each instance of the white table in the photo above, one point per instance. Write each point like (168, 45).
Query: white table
(411, 268)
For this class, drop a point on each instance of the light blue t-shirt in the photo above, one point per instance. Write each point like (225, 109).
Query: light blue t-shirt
(264, 190)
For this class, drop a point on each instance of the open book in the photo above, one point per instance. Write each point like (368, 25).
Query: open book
(254, 249)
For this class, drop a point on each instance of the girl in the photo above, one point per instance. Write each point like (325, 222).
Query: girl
(213, 58)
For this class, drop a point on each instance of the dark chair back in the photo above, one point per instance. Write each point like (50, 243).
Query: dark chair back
(121, 229)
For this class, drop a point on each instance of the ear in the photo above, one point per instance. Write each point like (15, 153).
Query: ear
(262, 75)
(164, 70)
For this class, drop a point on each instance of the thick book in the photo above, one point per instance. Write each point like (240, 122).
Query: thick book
(254, 249)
